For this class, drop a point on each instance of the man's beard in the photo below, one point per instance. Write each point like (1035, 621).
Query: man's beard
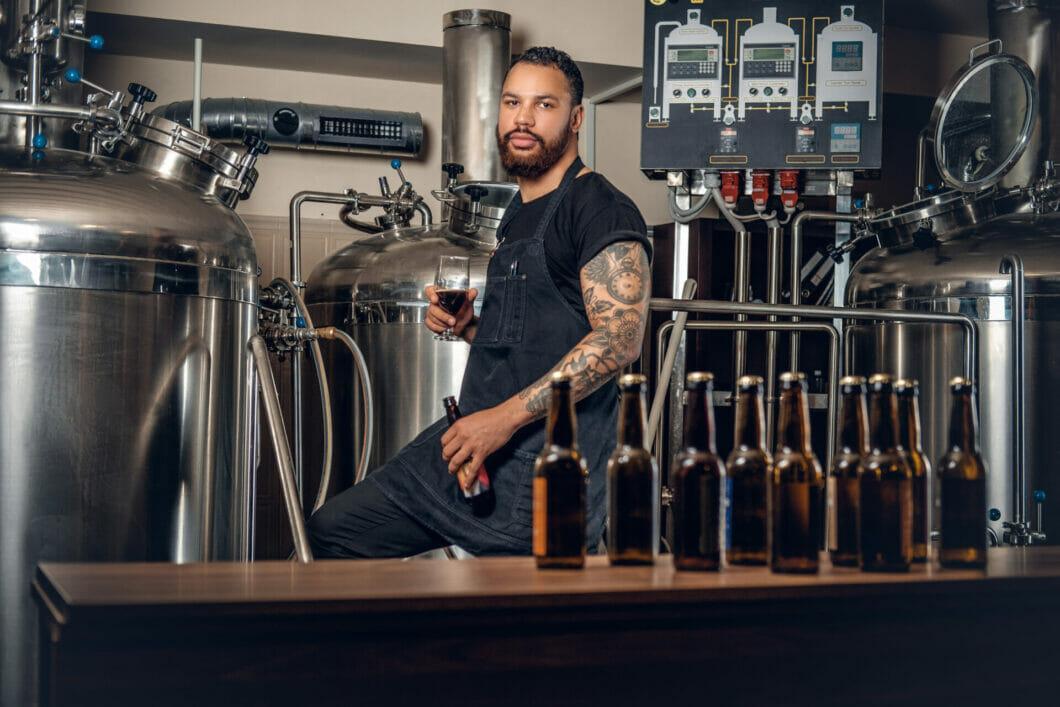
(532, 165)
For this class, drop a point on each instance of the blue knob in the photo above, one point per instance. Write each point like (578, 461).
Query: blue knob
(299, 322)
(395, 163)
(55, 32)
(72, 75)
(40, 141)
(1039, 496)
(96, 41)
(859, 203)
(929, 188)
(38, 155)
(995, 514)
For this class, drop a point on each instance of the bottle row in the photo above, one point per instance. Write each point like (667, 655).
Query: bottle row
(759, 508)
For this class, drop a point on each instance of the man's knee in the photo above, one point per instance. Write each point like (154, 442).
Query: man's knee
(322, 529)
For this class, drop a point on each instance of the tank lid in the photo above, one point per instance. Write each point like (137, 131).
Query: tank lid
(972, 152)
(472, 18)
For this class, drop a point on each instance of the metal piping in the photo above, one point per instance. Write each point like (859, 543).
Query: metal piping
(1012, 264)
(668, 359)
(366, 391)
(774, 257)
(659, 304)
(796, 264)
(325, 396)
(833, 358)
(274, 418)
(426, 217)
(742, 281)
(920, 177)
(46, 110)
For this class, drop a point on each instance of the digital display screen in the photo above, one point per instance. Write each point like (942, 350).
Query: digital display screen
(696, 55)
(847, 56)
(767, 54)
(360, 128)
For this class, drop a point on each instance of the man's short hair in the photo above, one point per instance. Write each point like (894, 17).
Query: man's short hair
(550, 56)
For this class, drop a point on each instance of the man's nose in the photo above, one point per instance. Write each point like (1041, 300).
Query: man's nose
(525, 116)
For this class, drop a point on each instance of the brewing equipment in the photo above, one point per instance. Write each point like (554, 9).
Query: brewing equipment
(959, 251)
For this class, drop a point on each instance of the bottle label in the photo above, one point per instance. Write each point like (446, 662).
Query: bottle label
(540, 516)
(833, 515)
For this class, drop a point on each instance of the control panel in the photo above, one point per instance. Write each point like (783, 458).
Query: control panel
(761, 84)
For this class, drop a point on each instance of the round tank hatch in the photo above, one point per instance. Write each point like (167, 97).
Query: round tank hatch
(982, 120)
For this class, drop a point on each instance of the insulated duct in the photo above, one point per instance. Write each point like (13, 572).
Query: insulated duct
(1028, 29)
(476, 52)
(304, 126)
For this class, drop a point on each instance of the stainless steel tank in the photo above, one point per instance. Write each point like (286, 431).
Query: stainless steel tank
(128, 294)
(374, 290)
(944, 254)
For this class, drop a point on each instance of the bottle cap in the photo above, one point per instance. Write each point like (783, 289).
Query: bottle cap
(632, 380)
(698, 378)
(960, 384)
(852, 384)
(907, 386)
(792, 379)
(749, 384)
(559, 379)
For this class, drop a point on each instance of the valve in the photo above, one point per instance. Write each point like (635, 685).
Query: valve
(760, 182)
(396, 165)
(142, 94)
(789, 189)
(452, 170)
(93, 42)
(255, 145)
(730, 187)
(40, 141)
(995, 514)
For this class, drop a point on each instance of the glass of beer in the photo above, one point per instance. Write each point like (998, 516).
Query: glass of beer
(451, 286)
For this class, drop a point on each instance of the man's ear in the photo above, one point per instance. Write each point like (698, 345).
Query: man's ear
(577, 116)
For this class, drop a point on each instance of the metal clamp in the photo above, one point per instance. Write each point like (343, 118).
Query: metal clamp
(972, 57)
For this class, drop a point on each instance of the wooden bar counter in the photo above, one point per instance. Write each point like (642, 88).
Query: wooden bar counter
(500, 632)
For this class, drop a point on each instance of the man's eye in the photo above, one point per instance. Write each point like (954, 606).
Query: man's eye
(545, 104)
(511, 103)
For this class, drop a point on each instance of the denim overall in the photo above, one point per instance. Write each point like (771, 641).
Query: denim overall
(525, 328)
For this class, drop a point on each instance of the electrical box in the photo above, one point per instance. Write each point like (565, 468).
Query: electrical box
(761, 84)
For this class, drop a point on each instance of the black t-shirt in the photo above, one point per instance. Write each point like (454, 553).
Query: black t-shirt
(593, 215)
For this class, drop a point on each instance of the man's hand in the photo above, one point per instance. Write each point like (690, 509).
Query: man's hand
(471, 439)
(438, 320)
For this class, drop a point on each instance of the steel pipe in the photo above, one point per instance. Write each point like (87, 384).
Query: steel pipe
(833, 359)
(1012, 264)
(659, 304)
(796, 265)
(774, 257)
(668, 360)
(278, 434)
(48, 110)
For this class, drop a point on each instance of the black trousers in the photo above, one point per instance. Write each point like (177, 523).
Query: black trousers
(362, 522)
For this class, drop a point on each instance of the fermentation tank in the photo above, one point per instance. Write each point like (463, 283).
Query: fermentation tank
(945, 254)
(374, 290)
(128, 295)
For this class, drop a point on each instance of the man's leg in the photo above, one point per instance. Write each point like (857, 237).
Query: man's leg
(362, 522)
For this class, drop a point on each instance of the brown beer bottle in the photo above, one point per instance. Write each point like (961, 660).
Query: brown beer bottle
(697, 479)
(843, 476)
(749, 468)
(480, 495)
(908, 392)
(632, 483)
(561, 478)
(963, 477)
(885, 487)
(796, 493)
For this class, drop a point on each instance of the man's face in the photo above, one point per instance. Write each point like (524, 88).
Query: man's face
(537, 121)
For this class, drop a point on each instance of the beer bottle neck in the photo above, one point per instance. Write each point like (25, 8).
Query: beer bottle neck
(561, 430)
(793, 428)
(908, 423)
(631, 419)
(883, 421)
(699, 421)
(853, 430)
(964, 427)
(750, 431)
(452, 413)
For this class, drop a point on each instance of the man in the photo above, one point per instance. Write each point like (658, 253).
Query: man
(567, 289)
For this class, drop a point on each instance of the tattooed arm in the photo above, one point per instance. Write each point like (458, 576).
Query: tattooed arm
(616, 285)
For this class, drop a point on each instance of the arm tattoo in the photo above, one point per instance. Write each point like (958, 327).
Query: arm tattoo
(615, 288)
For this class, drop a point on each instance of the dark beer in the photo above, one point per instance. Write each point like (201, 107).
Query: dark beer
(796, 491)
(697, 479)
(632, 483)
(963, 476)
(843, 476)
(451, 300)
(749, 468)
(885, 486)
(561, 480)
(909, 437)
(480, 495)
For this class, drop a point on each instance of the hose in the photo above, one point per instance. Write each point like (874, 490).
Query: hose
(325, 394)
(361, 365)
(688, 215)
